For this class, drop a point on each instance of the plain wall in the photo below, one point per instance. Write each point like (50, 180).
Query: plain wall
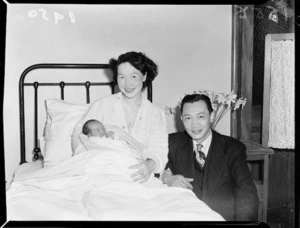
(191, 45)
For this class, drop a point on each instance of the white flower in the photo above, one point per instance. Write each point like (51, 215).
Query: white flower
(222, 98)
(239, 102)
(231, 98)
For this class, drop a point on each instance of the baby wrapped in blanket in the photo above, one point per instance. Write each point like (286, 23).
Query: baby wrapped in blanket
(97, 135)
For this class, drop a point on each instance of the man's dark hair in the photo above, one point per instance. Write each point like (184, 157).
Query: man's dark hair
(191, 98)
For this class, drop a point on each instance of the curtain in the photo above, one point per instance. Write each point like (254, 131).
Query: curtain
(282, 95)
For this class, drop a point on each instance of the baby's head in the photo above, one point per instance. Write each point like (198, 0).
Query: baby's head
(94, 128)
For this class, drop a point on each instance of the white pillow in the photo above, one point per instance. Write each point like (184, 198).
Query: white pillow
(62, 118)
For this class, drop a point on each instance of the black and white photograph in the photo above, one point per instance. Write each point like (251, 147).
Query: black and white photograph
(149, 113)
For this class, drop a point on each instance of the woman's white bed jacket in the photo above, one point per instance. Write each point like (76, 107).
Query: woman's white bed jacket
(149, 129)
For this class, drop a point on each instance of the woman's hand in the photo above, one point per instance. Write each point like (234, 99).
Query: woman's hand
(145, 168)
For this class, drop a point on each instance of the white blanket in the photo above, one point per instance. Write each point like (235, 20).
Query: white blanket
(96, 185)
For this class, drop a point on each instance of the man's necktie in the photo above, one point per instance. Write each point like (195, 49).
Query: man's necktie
(200, 156)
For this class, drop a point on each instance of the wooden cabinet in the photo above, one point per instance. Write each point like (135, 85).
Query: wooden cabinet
(261, 154)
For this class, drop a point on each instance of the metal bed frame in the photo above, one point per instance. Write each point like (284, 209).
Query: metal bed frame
(61, 84)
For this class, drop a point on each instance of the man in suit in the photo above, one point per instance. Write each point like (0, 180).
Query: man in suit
(215, 169)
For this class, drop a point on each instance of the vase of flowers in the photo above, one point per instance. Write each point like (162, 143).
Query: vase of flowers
(221, 103)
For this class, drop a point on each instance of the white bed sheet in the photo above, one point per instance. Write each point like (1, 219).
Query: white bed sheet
(96, 185)
(26, 168)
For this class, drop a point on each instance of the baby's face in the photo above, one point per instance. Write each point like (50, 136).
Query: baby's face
(97, 129)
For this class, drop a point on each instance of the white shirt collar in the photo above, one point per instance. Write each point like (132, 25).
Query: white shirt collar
(206, 144)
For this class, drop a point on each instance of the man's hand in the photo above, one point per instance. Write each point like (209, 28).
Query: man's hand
(177, 181)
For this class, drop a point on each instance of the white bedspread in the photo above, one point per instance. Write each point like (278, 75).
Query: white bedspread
(96, 185)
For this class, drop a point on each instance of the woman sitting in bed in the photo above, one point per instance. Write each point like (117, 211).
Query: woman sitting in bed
(132, 112)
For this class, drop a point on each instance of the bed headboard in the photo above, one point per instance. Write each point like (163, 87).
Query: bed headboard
(61, 84)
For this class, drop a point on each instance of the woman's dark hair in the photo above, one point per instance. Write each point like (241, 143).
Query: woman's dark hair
(191, 98)
(139, 61)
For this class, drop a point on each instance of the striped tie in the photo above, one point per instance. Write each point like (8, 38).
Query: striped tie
(200, 156)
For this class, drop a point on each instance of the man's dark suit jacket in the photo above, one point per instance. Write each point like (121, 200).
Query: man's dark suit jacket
(228, 187)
